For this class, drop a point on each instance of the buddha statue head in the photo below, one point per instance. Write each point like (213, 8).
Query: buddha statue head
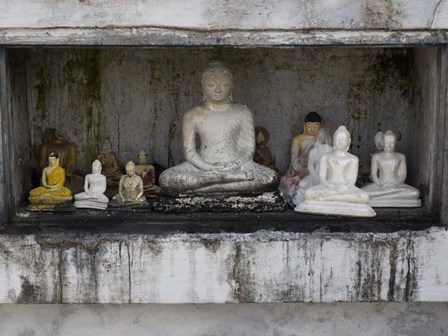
(261, 136)
(54, 137)
(130, 168)
(341, 139)
(389, 141)
(142, 158)
(96, 167)
(312, 124)
(217, 84)
(379, 141)
(53, 159)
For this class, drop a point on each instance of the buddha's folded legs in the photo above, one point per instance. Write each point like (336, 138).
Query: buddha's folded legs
(187, 178)
(403, 192)
(321, 193)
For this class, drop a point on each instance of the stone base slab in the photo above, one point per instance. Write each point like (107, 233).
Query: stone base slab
(335, 209)
(264, 202)
(377, 203)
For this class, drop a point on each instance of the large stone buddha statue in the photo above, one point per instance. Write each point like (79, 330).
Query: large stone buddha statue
(336, 194)
(388, 173)
(223, 162)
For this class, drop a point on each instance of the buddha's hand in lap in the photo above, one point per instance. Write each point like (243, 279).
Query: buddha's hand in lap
(389, 186)
(232, 166)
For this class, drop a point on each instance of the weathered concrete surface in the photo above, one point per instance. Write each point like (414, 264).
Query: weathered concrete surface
(138, 36)
(217, 268)
(221, 22)
(226, 320)
(225, 14)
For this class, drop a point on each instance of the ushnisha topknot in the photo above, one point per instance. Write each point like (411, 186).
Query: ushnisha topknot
(313, 117)
(54, 154)
(343, 130)
(216, 67)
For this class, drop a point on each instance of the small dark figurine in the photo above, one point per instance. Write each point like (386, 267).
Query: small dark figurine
(262, 153)
(65, 148)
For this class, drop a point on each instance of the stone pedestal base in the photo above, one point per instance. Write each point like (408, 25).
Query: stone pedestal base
(61, 207)
(90, 205)
(379, 203)
(127, 205)
(261, 202)
(335, 208)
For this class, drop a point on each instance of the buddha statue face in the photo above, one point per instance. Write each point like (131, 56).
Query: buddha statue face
(96, 167)
(130, 169)
(53, 159)
(312, 124)
(341, 139)
(217, 84)
(142, 158)
(379, 140)
(311, 128)
(389, 141)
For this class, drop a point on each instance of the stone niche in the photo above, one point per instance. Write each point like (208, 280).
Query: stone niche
(137, 97)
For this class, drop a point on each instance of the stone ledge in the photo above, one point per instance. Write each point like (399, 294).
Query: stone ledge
(168, 37)
(263, 266)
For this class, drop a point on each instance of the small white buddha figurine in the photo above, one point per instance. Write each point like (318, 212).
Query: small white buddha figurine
(95, 185)
(148, 174)
(337, 194)
(226, 132)
(130, 189)
(388, 173)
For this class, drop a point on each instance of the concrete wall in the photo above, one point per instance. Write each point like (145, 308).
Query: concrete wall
(138, 97)
(222, 14)
(224, 268)
(386, 319)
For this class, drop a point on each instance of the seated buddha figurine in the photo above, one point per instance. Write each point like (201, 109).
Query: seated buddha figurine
(225, 130)
(109, 163)
(301, 145)
(263, 153)
(65, 149)
(322, 146)
(337, 194)
(388, 173)
(52, 190)
(148, 174)
(130, 189)
(311, 127)
(94, 187)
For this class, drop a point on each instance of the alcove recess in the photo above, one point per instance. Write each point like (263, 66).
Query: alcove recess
(137, 97)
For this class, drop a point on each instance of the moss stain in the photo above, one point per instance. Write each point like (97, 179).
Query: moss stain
(83, 73)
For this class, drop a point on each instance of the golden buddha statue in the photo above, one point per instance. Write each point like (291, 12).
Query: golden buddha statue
(52, 190)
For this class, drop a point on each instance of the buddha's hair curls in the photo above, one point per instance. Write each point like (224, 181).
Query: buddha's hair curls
(217, 67)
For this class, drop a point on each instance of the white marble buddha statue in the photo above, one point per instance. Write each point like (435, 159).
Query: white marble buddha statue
(223, 162)
(388, 173)
(337, 194)
(95, 185)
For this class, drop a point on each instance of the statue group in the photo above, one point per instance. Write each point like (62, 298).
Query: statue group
(225, 154)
